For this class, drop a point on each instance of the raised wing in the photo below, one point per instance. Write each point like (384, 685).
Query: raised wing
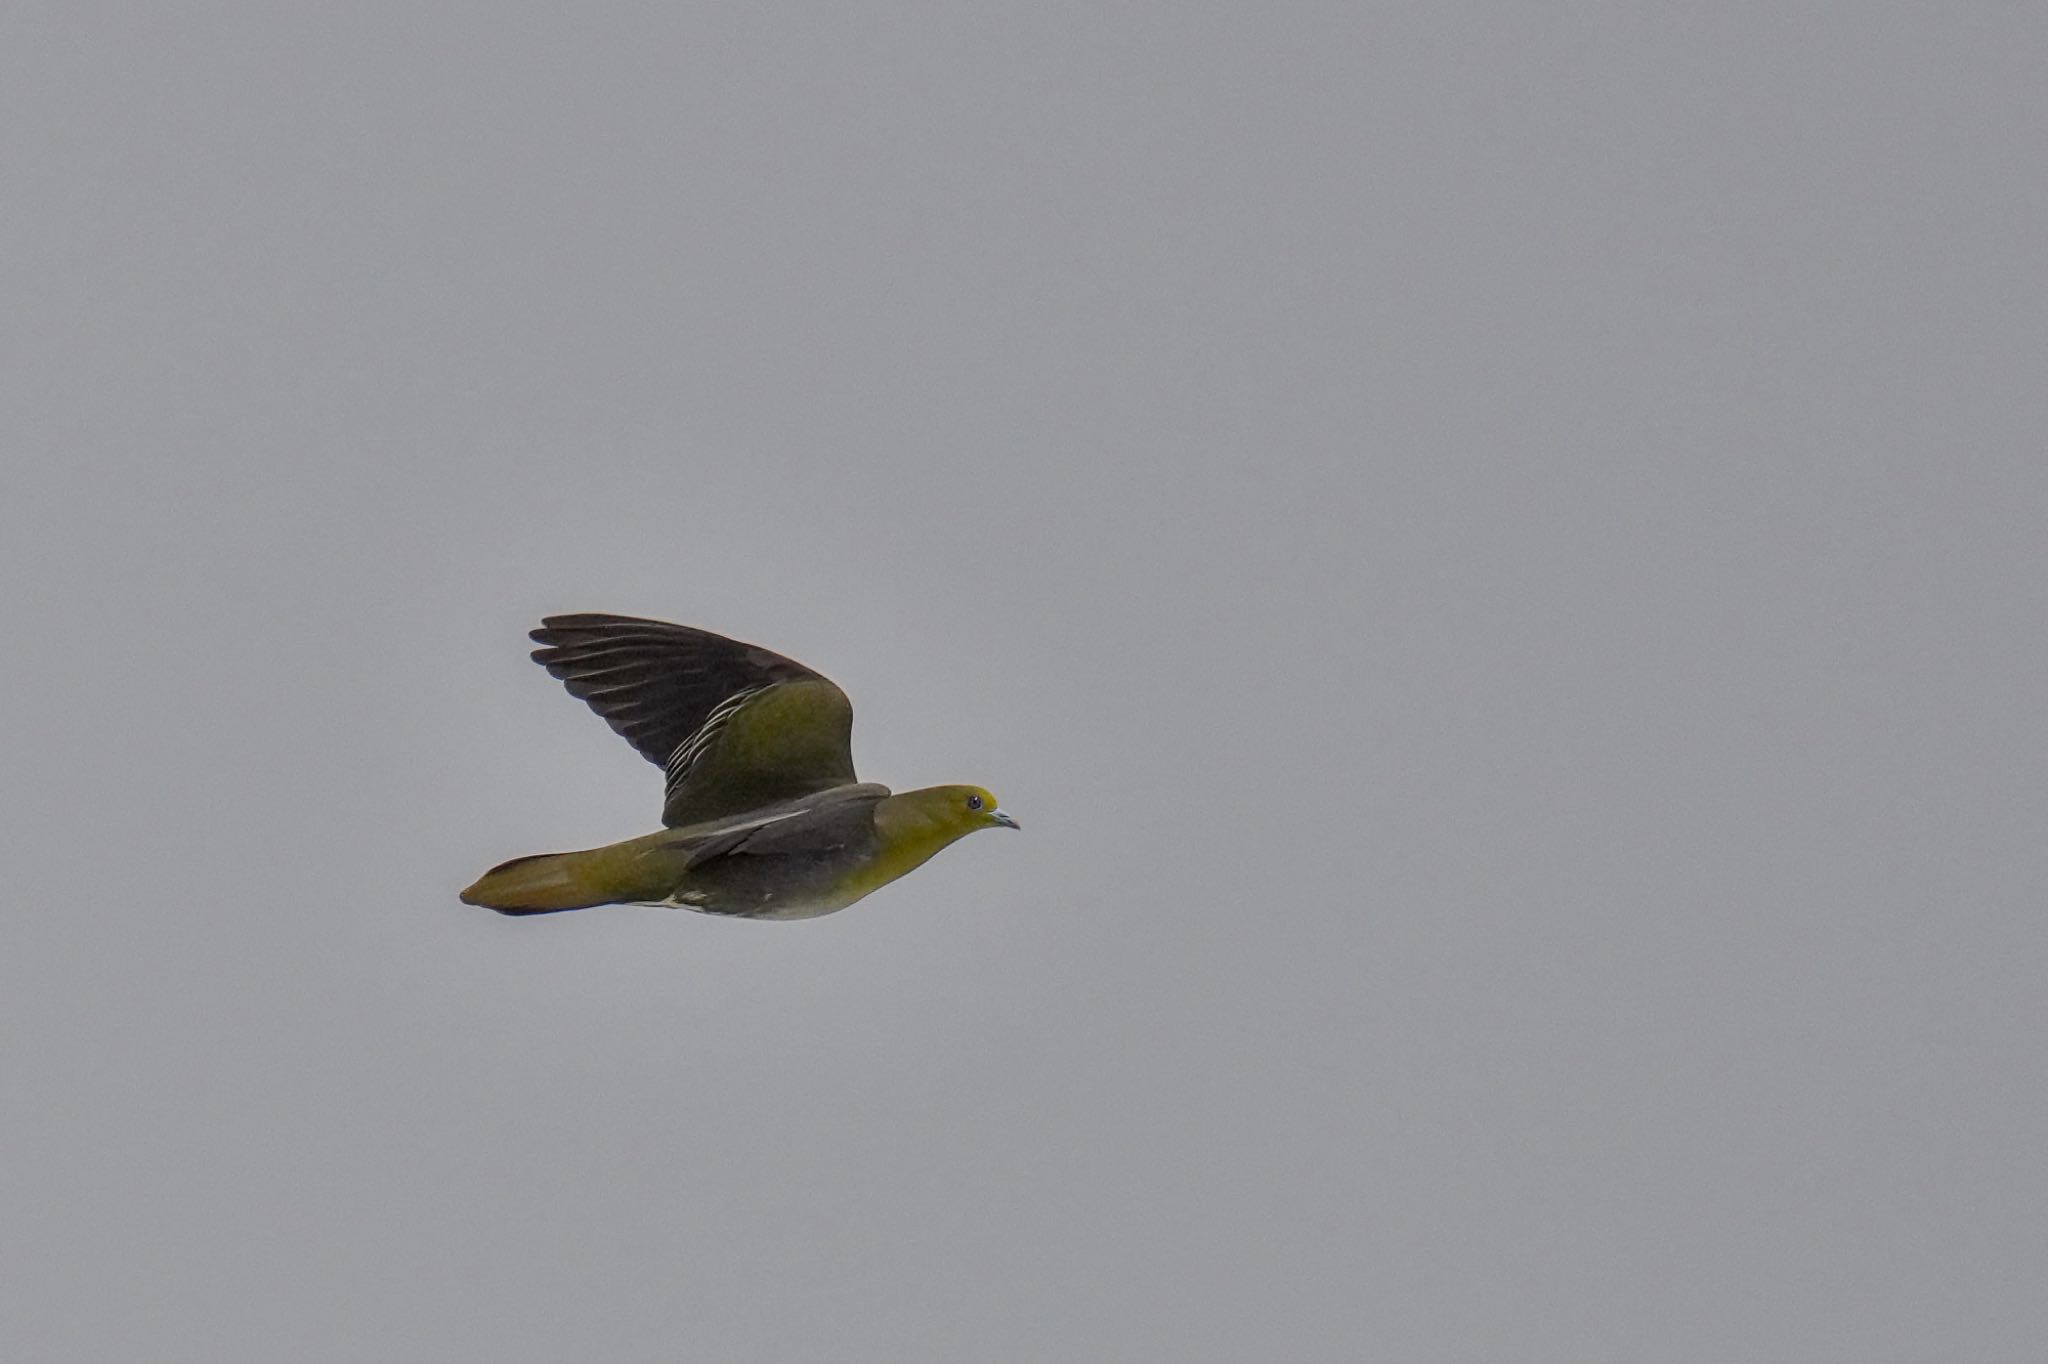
(734, 726)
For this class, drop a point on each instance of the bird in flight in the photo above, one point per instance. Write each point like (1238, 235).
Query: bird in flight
(763, 817)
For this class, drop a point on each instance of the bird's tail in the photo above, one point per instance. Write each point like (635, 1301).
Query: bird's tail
(543, 884)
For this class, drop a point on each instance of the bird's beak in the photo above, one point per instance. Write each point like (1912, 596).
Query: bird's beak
(998, 817)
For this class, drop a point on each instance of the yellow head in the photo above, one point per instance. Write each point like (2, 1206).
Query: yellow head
(950, 811)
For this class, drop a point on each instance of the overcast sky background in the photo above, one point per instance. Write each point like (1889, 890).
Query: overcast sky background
(1496, 551)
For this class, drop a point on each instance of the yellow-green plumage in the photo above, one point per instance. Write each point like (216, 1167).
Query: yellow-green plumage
(766, 819)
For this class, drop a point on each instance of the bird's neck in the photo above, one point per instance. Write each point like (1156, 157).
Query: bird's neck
(910, 831)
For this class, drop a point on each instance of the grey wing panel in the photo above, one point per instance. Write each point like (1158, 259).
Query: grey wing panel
(815, 822)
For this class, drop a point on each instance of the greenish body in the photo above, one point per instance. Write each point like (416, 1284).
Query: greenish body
(766, 819)
(791, 861)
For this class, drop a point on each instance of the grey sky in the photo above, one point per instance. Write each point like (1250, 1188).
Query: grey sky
(1496, 551)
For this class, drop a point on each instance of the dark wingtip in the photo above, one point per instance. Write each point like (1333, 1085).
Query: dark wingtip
(591, 626)
(592, 620)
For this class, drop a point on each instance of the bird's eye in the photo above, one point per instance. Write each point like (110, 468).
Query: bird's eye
(974, 802)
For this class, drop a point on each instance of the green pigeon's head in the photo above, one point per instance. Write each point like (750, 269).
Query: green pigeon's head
(960, 809)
